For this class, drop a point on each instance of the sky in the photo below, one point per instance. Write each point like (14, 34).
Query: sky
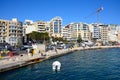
(68, 10)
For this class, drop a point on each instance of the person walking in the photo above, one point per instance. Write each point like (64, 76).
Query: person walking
(0, 55)
(33, 52)
(10, 54)
(28, 51)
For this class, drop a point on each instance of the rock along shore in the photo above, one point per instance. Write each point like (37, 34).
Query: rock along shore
(7, 63)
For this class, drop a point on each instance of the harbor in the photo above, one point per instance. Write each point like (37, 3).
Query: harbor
(95, 64)
(18, 61)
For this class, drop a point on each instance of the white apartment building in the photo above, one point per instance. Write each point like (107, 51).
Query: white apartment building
(80, 29)
(118, 34)
(56, 27)
(94, 31)
(53, 27)
(113, 32)
(29, 26)
(76, 30)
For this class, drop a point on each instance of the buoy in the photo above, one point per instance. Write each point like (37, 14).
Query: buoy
(56, 66)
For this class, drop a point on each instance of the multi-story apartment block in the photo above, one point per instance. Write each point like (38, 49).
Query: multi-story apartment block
(4, 28)
(28, 27)
(66, 34)
(94, 32)
(118, 34)
(85, 29)
(48, 27)
(104, 33)
(76, 30)
(80, 29)
(73, 31)
(11, 31)
(40, 26)
(55, 27)
(113, 32)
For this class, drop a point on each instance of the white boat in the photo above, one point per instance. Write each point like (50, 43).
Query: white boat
(56, 66)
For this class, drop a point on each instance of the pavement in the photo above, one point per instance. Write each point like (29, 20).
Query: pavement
(6, 61)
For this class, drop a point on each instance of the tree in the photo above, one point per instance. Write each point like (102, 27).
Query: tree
(79, 39)
(65, 41)
(54, 39)
(19, 44)
(38, 37)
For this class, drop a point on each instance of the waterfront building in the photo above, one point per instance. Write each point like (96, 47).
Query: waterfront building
(4, 31)
(91, 29)
(113, 32)
(66, 33)
(94, 32)
(40, 26)
(73, 31)
(79, 30)
(11, 31)
(118, 34)
(15, 32)
(86, 32)
(48, 27)
(55, 27)
(104, 33)
(52, 27)
(28, 27)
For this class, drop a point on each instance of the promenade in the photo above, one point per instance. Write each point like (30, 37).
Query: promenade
(21, 60)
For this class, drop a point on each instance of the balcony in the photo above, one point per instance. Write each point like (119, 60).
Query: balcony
(12, 32)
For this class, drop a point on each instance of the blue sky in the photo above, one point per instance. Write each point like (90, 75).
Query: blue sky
(68, 10)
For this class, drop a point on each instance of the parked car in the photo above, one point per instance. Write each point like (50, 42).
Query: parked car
(25, 47)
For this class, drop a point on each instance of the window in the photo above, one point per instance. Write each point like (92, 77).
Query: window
(56, 29)
(56, 23)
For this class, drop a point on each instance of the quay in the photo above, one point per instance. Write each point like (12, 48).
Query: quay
(18, 61)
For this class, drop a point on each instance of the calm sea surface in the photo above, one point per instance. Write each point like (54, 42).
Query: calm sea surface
(100, 64)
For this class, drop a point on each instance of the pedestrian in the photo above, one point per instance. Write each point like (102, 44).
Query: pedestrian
(28, 51)
(10, 54)
(41, 54)
(0, 55)
(33, 52)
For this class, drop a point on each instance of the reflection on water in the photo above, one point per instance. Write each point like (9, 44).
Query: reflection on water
(100, 64)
